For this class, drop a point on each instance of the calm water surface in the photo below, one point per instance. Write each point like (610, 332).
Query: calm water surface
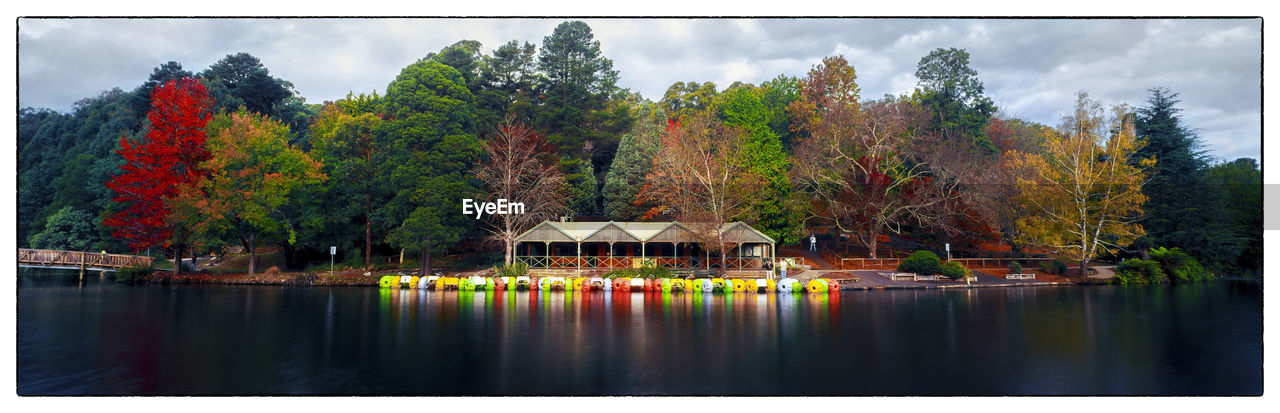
(99, 338)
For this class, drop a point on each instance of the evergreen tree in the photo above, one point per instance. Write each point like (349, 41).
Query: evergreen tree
(952, 92)
(582, 113)
(582, 189)
(350, 144)
(1181, 208)
(1240, 182)
(432, 145)
(632, 162)
(69, 229)
(774, 215)
(241, 80)
(508, 79)
(141, 99)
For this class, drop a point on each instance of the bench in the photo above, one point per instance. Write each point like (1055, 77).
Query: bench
(894, 276)
(1020, 276)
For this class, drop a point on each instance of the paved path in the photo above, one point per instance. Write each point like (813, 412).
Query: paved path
(1104, 272)
(813, 258)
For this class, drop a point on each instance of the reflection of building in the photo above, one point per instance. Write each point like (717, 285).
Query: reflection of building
(554, 246)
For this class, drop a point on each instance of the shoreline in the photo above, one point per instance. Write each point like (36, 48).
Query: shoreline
(338, 280)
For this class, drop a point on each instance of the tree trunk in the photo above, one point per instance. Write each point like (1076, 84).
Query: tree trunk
(368, 234)
(253, 251)
(177, 258)
(511, 245)
(1084, 270)
(724, 262)
(871, 243)
(425, 267)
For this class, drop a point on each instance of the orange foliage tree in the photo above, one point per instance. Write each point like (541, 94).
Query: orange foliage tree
(701, 179)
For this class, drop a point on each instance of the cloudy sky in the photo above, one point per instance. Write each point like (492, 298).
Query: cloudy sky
(1031, 68)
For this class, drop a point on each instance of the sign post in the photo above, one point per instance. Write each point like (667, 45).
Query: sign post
(332, 250)
(948, 251)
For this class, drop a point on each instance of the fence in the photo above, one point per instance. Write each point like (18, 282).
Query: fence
(732, 263)
(892, 263)
(80, 259)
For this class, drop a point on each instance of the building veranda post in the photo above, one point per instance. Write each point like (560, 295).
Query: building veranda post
(597, 247)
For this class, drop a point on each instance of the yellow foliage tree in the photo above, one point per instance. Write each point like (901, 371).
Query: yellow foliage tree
(1082, 193)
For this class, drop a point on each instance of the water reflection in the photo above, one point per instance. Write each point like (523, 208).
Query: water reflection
(1203, 339)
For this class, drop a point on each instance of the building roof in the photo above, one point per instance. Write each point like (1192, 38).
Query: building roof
(551, 231)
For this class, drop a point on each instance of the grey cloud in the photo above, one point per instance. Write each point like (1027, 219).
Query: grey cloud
(1032, 68)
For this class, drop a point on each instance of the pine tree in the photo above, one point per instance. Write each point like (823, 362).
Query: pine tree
(1181, 210)
(632, 162)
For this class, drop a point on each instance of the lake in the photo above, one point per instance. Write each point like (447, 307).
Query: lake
(101, 338)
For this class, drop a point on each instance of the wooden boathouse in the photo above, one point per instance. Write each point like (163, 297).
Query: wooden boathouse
(583, 248)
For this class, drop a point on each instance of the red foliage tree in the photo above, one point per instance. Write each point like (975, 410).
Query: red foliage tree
(167, 157)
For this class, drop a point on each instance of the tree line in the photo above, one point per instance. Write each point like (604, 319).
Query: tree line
(234, 156)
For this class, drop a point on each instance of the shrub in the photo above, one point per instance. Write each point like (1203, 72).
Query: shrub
(1054, 267)
(623, 273)
(132, 275)
(517, 269)
(954, 270)
(1015, 267)
(920, 262)
(653, 271)
(647, 271)
(1140, 272)
(1181, 266)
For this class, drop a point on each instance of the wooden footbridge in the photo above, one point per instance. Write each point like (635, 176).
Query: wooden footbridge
(79, 260)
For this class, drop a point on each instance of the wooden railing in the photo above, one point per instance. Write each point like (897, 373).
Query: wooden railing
(79, 259)
(998, 262)
(732, 263)
(892, 263)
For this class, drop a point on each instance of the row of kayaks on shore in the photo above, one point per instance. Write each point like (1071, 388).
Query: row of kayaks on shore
(703, 285)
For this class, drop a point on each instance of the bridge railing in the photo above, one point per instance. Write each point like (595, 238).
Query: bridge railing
(80, 259)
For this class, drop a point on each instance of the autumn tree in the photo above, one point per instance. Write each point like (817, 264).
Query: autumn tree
(1084, 191)
(858, 164)
(171, 70)
(349, 142)
(253, 174)
(699, 178)
(521, 168)
(169, 156)
(432, 145)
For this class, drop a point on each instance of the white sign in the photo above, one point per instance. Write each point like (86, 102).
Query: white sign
(948, 247)
(502, 207)
(333, 250)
